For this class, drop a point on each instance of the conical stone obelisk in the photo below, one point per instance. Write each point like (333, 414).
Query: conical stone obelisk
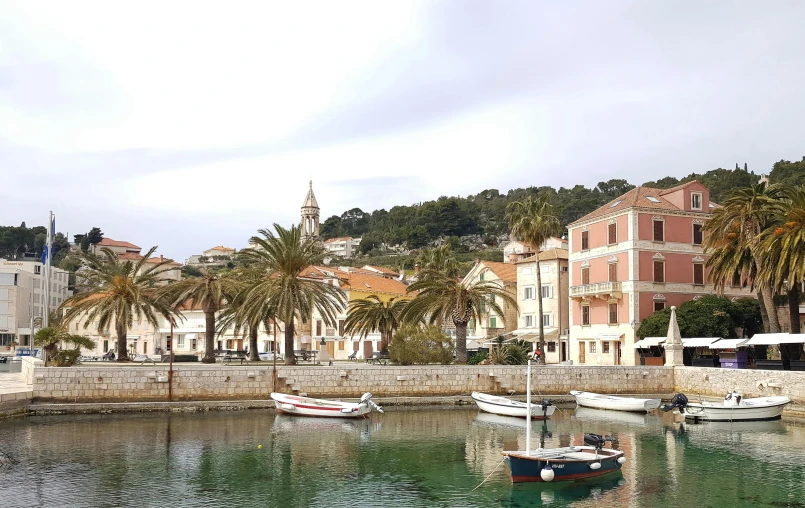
(673, 342)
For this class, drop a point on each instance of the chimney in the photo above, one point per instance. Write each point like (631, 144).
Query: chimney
(161, 258)
(416, 268)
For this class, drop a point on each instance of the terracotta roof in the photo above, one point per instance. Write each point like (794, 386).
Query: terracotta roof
(221, 247)
(374, 284)
(546, 255)
(161, 259)
(130, 256)
(505, 271)
(636, 197)
(677, 187)
(381, 269)
(108, 242)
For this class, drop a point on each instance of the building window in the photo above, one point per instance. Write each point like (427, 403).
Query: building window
(613, 272)
(697, 234)
(194, 344)
(592, 346)
(341, 345)
(552, 347)
(698, 274)
(612, 234)
(180, 341)
(546, 320)
(613, 313)
(659, 271)
(696, 200)
(318, 327)
(481, 276)
(493, 322)
(529, 321)
(585, 240)
(528, 293)
(585, 315)
(605, 347)
(547, 291)
(585, 276)
(658, 305)
(659, 230)
(106, 346)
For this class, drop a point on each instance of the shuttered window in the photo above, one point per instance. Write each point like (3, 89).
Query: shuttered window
(659, 231)
(585, 315)
(613, 272)
(659, 271)
(585, 276)
(697, 234)
(613, 313)
(585, 240)
(658, 305)
(612, 234)
(698, 273)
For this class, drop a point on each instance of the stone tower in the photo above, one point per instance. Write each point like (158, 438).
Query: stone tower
(310, 215)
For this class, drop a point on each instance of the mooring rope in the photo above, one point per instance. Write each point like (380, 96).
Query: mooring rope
(490, 474)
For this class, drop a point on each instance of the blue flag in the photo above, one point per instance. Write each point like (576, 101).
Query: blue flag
(52, 235)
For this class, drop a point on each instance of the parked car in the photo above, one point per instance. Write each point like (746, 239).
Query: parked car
(266, 357)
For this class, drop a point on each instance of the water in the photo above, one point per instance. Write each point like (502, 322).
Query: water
(405, 457)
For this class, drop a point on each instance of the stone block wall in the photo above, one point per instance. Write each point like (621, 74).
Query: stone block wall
(28, 366)
(750, 382)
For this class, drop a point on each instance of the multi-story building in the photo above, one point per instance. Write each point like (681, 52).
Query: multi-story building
(344, 246)
(633, 256)
(216, 256)
(516, 250)
(492, 324)
(555, 313)
(19, 281)
(118, 247)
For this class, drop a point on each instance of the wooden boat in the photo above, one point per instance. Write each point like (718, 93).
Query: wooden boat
(733, 408)
(507, 407)
(598, 401)
(307, 406)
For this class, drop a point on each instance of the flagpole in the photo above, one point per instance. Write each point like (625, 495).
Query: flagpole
(46, 306)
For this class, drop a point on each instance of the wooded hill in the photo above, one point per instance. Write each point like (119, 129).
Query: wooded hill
(483, 214)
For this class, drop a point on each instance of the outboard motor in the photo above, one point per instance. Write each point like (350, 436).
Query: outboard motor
(596, 440)
(545, 403)
(366, 398)
(679, 401)
(732, 399)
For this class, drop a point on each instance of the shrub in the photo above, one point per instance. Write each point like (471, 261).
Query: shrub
(515, 352)
(477, 358)
(51, 339)
(415, 345)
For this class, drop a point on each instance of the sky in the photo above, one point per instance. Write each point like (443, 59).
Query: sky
(190, 124)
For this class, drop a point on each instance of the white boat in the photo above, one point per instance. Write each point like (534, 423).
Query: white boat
(307, 406)
(733, 408)
(507, 407)
(598, 401)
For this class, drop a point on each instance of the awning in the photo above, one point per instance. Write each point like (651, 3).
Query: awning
(699, 341)
(474, 344)
(532, 334)
(727, 343)
(181, 330)
(768, 339)
(132, 337)
(190, 336)
(648, 342)
(609, 336)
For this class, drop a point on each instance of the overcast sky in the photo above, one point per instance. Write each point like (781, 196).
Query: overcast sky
(191, 124)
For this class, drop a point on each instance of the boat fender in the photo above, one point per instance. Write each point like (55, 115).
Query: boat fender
(547, 473)
(595, 466)
(621, 460)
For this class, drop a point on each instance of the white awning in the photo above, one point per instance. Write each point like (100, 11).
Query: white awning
(699, 341)
(728, 343)
(181, 330)
(609, 336)
(474, 344)
(132, 337)
(532, 334)
(767, 339)
(190, 336)
(648, 342)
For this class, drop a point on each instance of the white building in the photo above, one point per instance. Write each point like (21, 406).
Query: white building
(515, 250)
(343, 246)
(18, 279)
(216, 256)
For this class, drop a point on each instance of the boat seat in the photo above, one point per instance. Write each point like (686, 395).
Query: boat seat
(581, 456)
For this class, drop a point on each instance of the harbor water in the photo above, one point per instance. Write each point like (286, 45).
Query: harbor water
(417, 457)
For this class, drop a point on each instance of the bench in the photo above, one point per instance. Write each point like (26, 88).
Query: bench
(305, 355)
(235, 355)
(378, 358)
(353, 356)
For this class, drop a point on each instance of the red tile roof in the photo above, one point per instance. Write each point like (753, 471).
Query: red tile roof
(381, 269)
(636, 197)
(108, 242)
(546, 255)
(161, 259)
(374, 284)
(506, 272)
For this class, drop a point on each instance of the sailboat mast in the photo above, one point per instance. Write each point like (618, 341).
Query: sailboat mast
(528, 411)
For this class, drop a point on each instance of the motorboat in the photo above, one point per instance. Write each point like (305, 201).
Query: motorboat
(733, 408)
(308, 406)
(561, 464)
(599, 401)
(507, 407)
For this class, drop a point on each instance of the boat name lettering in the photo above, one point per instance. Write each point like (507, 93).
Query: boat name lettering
(557, 466)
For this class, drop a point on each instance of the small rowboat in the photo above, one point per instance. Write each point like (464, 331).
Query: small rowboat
(734, 408)
(507, 407)
(306, 406)
(598, 401)
(563, 464)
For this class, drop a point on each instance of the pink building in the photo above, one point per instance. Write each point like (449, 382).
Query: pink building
(635, 255)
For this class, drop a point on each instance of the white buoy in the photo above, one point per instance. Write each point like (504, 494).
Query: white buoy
(621, 460)
(595, 466)
(547, 473)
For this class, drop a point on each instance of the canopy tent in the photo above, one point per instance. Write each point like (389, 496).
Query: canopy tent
(728, 343)
(699, 341)
(768, 339)
(474, 344)
(648, 342)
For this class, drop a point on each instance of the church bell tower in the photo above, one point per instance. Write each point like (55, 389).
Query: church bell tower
(310, 215)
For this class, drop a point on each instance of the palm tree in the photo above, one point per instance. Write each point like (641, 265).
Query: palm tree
(732, 242)
(209, 292)
(370, 314)
(283, 289)
(234, 317)
(532, 221)
(116, 290)
(438, 259)
(441, 297)
(50, 338)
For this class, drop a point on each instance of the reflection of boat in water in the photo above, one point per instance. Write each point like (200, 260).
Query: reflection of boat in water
(768, 426)
(529, 494)
(600, 415)
(502, 421)
(322, 426)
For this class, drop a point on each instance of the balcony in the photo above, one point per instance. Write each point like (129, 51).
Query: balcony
(603, 290)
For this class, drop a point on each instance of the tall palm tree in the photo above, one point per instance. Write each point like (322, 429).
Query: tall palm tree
(438, 259)
(372, 313)
(116, 290)
(532, 221)
(442, 297)
(234, 317)
(283, 288)
(732, 242)
(209, 292)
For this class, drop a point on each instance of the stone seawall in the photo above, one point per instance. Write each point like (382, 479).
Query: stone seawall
(214, 382)
(752, 383)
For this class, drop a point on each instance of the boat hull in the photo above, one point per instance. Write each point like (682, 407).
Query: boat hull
(750, 410)
(304, 406)
(528, 469)
(612, 403)
(506, 407)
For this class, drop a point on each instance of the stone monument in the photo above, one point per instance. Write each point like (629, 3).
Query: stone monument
(673, 343)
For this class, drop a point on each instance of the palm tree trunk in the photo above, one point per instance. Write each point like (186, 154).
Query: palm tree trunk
(384, 341)
(764, 315)
(122, 353)
(771, 309)
(209, 337)
(539, 309)
(253, 354)
(461, 342)
(289, 330)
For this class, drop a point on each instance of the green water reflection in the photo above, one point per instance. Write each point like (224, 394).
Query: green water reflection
(405, 457)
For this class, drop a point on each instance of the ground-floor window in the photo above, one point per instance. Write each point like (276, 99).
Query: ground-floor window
(592, 346)
(605, 347)
(552, 347)
(340, 345)
(105, 346)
